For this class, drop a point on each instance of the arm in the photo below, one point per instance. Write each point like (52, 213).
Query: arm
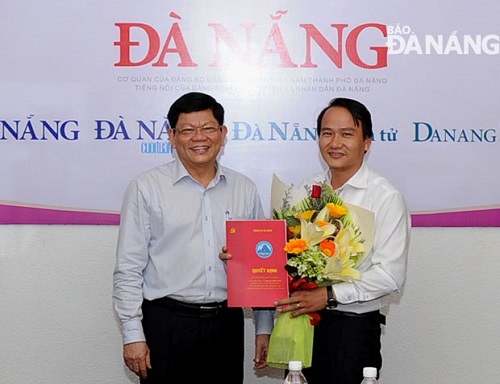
(131, 258)
(384, 270)
(264, 323)
(261, 349)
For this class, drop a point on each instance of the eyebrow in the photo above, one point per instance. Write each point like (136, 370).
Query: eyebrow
(206, 124)
(342, 129)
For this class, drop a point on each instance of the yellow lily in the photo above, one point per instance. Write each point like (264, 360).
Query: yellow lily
(336, 270)
(314, 234)
(323, 215)
(342, 267)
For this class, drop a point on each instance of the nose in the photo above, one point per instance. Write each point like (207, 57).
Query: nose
(335, 140)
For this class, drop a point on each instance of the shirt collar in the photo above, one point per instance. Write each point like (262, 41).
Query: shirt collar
(359, 180)
(180, 172)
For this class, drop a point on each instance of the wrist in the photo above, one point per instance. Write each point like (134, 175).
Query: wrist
(331, 301)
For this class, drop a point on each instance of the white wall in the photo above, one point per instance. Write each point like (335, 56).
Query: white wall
(57, 325)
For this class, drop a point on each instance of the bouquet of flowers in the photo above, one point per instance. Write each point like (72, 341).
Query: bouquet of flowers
(325, 246)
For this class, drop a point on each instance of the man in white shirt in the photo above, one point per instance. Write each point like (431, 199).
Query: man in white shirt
(347, 337)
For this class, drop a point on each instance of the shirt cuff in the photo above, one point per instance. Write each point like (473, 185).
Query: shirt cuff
(264, 321)
(132, 332)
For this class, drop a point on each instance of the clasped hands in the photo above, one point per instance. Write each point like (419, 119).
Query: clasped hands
(300, 302)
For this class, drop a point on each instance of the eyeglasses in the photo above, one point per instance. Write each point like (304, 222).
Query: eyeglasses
(190, 132)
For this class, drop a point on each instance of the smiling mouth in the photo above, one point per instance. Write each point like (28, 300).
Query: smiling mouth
(200, 148)
(335, 155)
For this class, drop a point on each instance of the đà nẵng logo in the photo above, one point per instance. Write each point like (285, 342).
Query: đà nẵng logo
(296, 46)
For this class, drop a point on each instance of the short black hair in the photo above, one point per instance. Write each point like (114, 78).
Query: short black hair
(194, 102)
(358, 111)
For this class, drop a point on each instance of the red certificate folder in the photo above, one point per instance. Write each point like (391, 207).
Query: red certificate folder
(256, 275)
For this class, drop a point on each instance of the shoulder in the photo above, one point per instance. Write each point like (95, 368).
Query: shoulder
(383, 193)
(235, 177)
(154, 175)
(317, 178)
(380, 184)
(163, 169)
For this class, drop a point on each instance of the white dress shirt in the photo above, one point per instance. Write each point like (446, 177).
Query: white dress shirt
(172, 230)
(384, 270)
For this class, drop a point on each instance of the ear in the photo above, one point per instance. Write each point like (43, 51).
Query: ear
(368, 143)
(171, 137)
(224, 134)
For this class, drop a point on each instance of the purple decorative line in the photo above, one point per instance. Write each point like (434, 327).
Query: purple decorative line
(478, 218)
(11, 214)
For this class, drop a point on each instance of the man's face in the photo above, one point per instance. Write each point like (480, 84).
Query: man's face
(341, 141)
(199, 149)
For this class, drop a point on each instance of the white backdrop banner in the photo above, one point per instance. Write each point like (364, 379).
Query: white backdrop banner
(85, 87)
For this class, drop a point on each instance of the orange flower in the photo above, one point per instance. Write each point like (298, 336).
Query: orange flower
(296, 246)
(321, 223)
(328, 247)
(336, 211)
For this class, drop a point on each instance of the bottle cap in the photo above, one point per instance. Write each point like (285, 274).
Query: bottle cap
(370, 372)
(295, 365)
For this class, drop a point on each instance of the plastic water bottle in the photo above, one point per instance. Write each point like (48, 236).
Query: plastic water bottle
(369, 375)
(295, 375)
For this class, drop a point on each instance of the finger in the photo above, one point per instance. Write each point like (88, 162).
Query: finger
(287, 301)
(260, 365)
(143, 372)
(225, 256)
